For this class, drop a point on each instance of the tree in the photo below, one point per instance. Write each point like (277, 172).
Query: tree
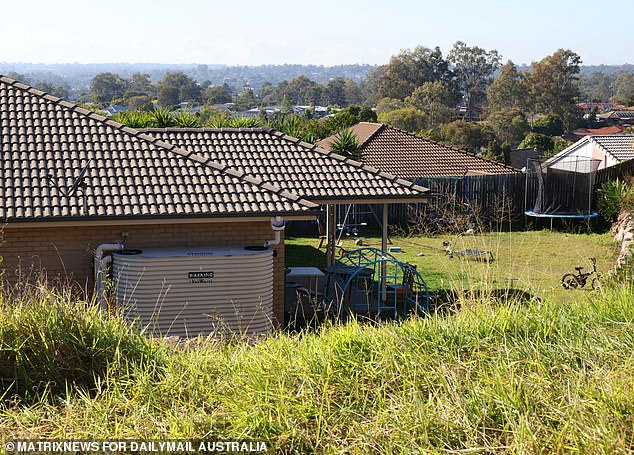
(410, 69)
(537, 141)
(407, 118)
(554, 85)
(596, 87)
(140, 85)
(335, 93)
(466, 135)
(298, 89)
(139, 103)
(106, 86)
(434, 99)
(388, 104)
(509, 125)
(497, 152)
(188, 89)
(623, 87)
(550, 125)
(508, 90)
(217, 94)
(54, 89)
(352, 92)
(473, 68)
(246, 100)
(168, 96)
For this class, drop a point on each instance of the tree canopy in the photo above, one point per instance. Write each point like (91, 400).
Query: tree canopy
(473, 68)
(554, 85)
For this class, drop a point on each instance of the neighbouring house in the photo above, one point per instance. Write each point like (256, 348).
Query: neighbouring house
(608, 150)
(72, 180)
(411, 157)
(623, 117)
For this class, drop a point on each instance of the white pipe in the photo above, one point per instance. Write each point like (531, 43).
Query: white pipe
(277, 225)
(101, 265)
(276, 241)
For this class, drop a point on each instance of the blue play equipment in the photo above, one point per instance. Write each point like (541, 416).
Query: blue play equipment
(370, 281)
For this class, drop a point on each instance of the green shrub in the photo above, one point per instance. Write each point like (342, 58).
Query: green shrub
(614, 195)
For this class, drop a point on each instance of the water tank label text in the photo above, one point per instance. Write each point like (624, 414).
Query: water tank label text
(200, 277)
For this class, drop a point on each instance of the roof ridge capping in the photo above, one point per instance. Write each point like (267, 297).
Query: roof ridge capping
(157, 142)
(372, 170)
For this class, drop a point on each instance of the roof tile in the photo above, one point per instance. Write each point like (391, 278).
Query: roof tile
(410, 157)
(123, 174)
(300, 168)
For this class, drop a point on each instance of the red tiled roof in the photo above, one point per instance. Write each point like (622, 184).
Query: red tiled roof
(409, 156)
(605, 131)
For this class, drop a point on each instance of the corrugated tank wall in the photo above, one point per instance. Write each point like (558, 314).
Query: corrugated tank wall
(191, 291)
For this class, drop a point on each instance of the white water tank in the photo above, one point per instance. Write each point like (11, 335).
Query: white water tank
(191, 291)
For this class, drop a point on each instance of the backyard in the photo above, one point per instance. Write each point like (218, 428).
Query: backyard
(531, 261)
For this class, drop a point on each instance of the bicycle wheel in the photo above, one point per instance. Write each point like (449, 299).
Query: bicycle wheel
(596, 283)
(569, 281)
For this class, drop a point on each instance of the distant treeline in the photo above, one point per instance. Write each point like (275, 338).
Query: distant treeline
(74, 76)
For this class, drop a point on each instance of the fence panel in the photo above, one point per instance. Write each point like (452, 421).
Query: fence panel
(493, 197)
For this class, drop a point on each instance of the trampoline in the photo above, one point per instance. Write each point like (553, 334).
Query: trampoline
(561, 189)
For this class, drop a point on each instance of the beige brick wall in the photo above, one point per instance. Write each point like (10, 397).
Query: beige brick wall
(67, 252)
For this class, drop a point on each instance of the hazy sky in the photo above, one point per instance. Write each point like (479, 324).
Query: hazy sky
(329, 32)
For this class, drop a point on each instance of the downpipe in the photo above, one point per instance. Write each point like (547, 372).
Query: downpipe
(102, 261)
(277, 225)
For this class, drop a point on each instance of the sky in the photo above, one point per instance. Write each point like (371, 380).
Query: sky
(327, 32)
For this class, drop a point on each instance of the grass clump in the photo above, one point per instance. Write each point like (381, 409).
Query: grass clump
(50, 342)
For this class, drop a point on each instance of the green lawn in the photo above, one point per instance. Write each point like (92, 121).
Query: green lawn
(532, 261)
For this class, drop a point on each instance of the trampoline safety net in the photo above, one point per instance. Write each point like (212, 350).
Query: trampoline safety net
(563, 189)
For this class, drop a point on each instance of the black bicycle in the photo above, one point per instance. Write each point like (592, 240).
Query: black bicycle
(579, 280)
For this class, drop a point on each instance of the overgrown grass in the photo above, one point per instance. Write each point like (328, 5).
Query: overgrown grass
(531, 378)
(531, 261)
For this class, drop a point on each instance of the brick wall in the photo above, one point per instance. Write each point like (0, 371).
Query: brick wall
(67, 252)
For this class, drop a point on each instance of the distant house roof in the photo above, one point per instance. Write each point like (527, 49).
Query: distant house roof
(113, 109)
(409, 156)
(60, 161)
(605, 131)
(602, 106)
(619, 115)
(304, 169)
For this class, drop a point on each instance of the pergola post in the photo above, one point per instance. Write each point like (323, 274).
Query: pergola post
(330, 234)
(384, 221)
(384, 248)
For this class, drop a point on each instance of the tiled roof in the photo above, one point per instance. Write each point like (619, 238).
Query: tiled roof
(619, 146)
(301, 168)
(362, 130)
(606, 130)
(47, 143)
(409, 156)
